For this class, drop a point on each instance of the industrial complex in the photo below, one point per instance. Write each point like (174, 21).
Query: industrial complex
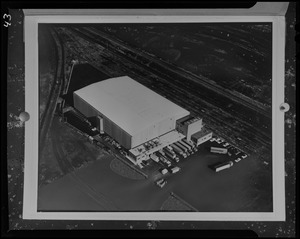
(140, 120)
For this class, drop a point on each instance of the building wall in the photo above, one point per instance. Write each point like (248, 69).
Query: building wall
(154, 131)
(117, 133)
(121, 136)
(109, 127)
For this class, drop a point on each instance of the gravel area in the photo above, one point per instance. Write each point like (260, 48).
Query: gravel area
(174, 203)
(123, 170)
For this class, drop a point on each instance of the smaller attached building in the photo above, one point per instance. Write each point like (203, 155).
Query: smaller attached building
(201, 136)
(189, 125)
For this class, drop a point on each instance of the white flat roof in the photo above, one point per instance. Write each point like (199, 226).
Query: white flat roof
(129, 104)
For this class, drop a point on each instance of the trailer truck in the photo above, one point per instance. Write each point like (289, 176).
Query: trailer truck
(154, 158)
(222, 166)
(218, 150)
(184, 149)
(172, 156)
(191, 144)
(179, 151)
(189, 147)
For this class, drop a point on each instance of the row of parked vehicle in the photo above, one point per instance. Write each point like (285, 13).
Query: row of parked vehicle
(172, 154)
(230, 149)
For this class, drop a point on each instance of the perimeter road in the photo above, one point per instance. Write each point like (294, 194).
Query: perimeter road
(183, 201)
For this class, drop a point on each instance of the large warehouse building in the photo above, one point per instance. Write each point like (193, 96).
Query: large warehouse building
(130, 113)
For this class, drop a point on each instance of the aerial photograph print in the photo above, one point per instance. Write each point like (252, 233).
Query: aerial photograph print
(155, 117)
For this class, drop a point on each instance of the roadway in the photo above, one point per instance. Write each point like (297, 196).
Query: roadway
(54, 92)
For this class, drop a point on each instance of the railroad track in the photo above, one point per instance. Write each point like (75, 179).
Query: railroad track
(54, 93)
(256, 106)
(178, 95)
(175, 78)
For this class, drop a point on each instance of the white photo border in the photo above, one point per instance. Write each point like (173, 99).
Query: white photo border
(30, 200)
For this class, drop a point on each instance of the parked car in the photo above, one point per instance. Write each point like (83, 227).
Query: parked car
(212, 139)
(225, 144)
(237, 160)
(237, 152)
(174, 169)
(218, 140)
(244, 156)
(161, 183)
(163, 171)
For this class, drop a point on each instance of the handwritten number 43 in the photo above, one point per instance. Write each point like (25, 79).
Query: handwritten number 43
(7, 19)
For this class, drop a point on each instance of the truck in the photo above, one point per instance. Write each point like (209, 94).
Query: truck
(218, 150)
(167, 150)
(187, 146)
(179, 151)
(165, 161)
(189, 149)
(191, 144)
(172, 156)
(222, 166)
(169, 147)
(184, 149)
(154, 158)
(162, 152)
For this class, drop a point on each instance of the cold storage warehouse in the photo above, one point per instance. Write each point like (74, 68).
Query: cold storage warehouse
(132, 113)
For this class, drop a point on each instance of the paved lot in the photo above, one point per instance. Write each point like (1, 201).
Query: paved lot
(97, 188)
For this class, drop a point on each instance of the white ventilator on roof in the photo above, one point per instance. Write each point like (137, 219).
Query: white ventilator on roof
(129, 104)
